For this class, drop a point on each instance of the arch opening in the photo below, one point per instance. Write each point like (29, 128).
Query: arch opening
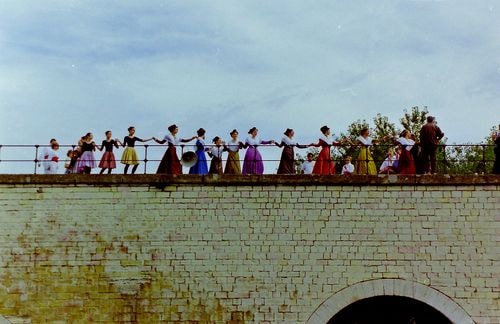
(419, 293)
(389, 310)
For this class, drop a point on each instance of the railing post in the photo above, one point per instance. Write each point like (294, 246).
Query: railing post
(145, 157)
(36, 156)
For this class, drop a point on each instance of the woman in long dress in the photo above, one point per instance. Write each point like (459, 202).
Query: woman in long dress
(364, 162)
(253, 163)
(233, 158)
(170, 163)
(216, 153)
(324, 163)
(406, 164)
(201, 162)
(287, 161)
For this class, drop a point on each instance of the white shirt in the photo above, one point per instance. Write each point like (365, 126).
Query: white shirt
(348, 168)
(325, 139)
(216, 151)
(388, 162)
(406, 141)
(365, 141)
(307, 167)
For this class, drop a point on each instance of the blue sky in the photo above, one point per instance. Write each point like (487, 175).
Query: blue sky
(70, 67)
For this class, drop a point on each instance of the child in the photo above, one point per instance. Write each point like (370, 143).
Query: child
(389, 165)
(216, 154)
(50, 158)
(348, 168)
(70, 162)
(308, 165)
(108, 158)
(130, 156)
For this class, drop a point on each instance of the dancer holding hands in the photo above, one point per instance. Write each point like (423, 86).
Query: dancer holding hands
(170, 163)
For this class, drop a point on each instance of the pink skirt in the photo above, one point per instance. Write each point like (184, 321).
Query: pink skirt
(108, 161)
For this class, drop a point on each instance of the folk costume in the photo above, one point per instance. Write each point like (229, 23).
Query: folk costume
(216, 163)
(253, 163)
(129, 155)
(324, 163)
(170, 163)
(406, 164)
(233, 158)
(364, 161)
(287, 161)
(108, 158)
(201, 163)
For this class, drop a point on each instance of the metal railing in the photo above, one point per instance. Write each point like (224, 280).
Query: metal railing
(457, 159)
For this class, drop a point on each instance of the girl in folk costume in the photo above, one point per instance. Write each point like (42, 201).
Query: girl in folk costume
(108, 158)
(201, 162)
(287, 161)
(216, 154)
(324, 163)
(406, 164)
(50, 158)
(253, 163)
(129, 156)
(390, 163)
(233, 158)
(87, 161)
(170, 163)
(364, 162)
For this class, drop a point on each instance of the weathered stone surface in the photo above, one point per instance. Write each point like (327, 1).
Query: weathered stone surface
(149, 248)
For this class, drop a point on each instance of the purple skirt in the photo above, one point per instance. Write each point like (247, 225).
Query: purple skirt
(253, 162)
(87, 159)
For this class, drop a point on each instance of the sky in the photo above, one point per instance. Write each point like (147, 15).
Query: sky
(68, 67)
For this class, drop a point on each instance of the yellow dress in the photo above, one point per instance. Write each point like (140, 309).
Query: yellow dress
(365, 163)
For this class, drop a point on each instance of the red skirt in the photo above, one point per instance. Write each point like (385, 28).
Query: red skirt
(108, 161)
(324, 163)
(406, 164)
(170, 163)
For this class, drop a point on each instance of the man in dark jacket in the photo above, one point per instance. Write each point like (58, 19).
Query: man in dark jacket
(430, 136)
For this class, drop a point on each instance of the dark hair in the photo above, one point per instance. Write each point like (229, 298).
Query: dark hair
(130, 128)
(216, 138)
(324, 129)
(171, 128)
(52, 140)
(107, 132)
(364, 130)
(201, 132)
(430, 119)
(88, 134)
(252, 130)
(403, 133)
(234, 131)
(288, 131)
(310, 154)
(69, 152)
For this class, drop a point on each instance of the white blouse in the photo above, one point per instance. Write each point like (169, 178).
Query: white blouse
(216, 151)
(253, 141)
(233, 145)
(172, 139)
(325, 139)
(407, 142)
(288, 141)
(365, 141)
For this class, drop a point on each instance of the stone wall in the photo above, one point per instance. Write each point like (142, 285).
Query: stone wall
(240, 249)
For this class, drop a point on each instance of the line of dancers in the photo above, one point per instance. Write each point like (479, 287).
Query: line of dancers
(398, 159)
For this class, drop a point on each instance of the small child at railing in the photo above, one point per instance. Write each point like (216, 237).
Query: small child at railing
(348, 167)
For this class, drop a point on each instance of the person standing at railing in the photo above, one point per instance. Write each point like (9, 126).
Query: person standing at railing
(87, 161)
(216, 153)
(129, 156)
(170, 163)
(233, 158)
(253, 163)
(406, 164)
(108, 158)
(50, 158)
(364, 161)
(201, 166)
(430, 137)
(287, 161)
(324, 163)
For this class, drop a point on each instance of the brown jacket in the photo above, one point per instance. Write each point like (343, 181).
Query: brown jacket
(430, 134)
